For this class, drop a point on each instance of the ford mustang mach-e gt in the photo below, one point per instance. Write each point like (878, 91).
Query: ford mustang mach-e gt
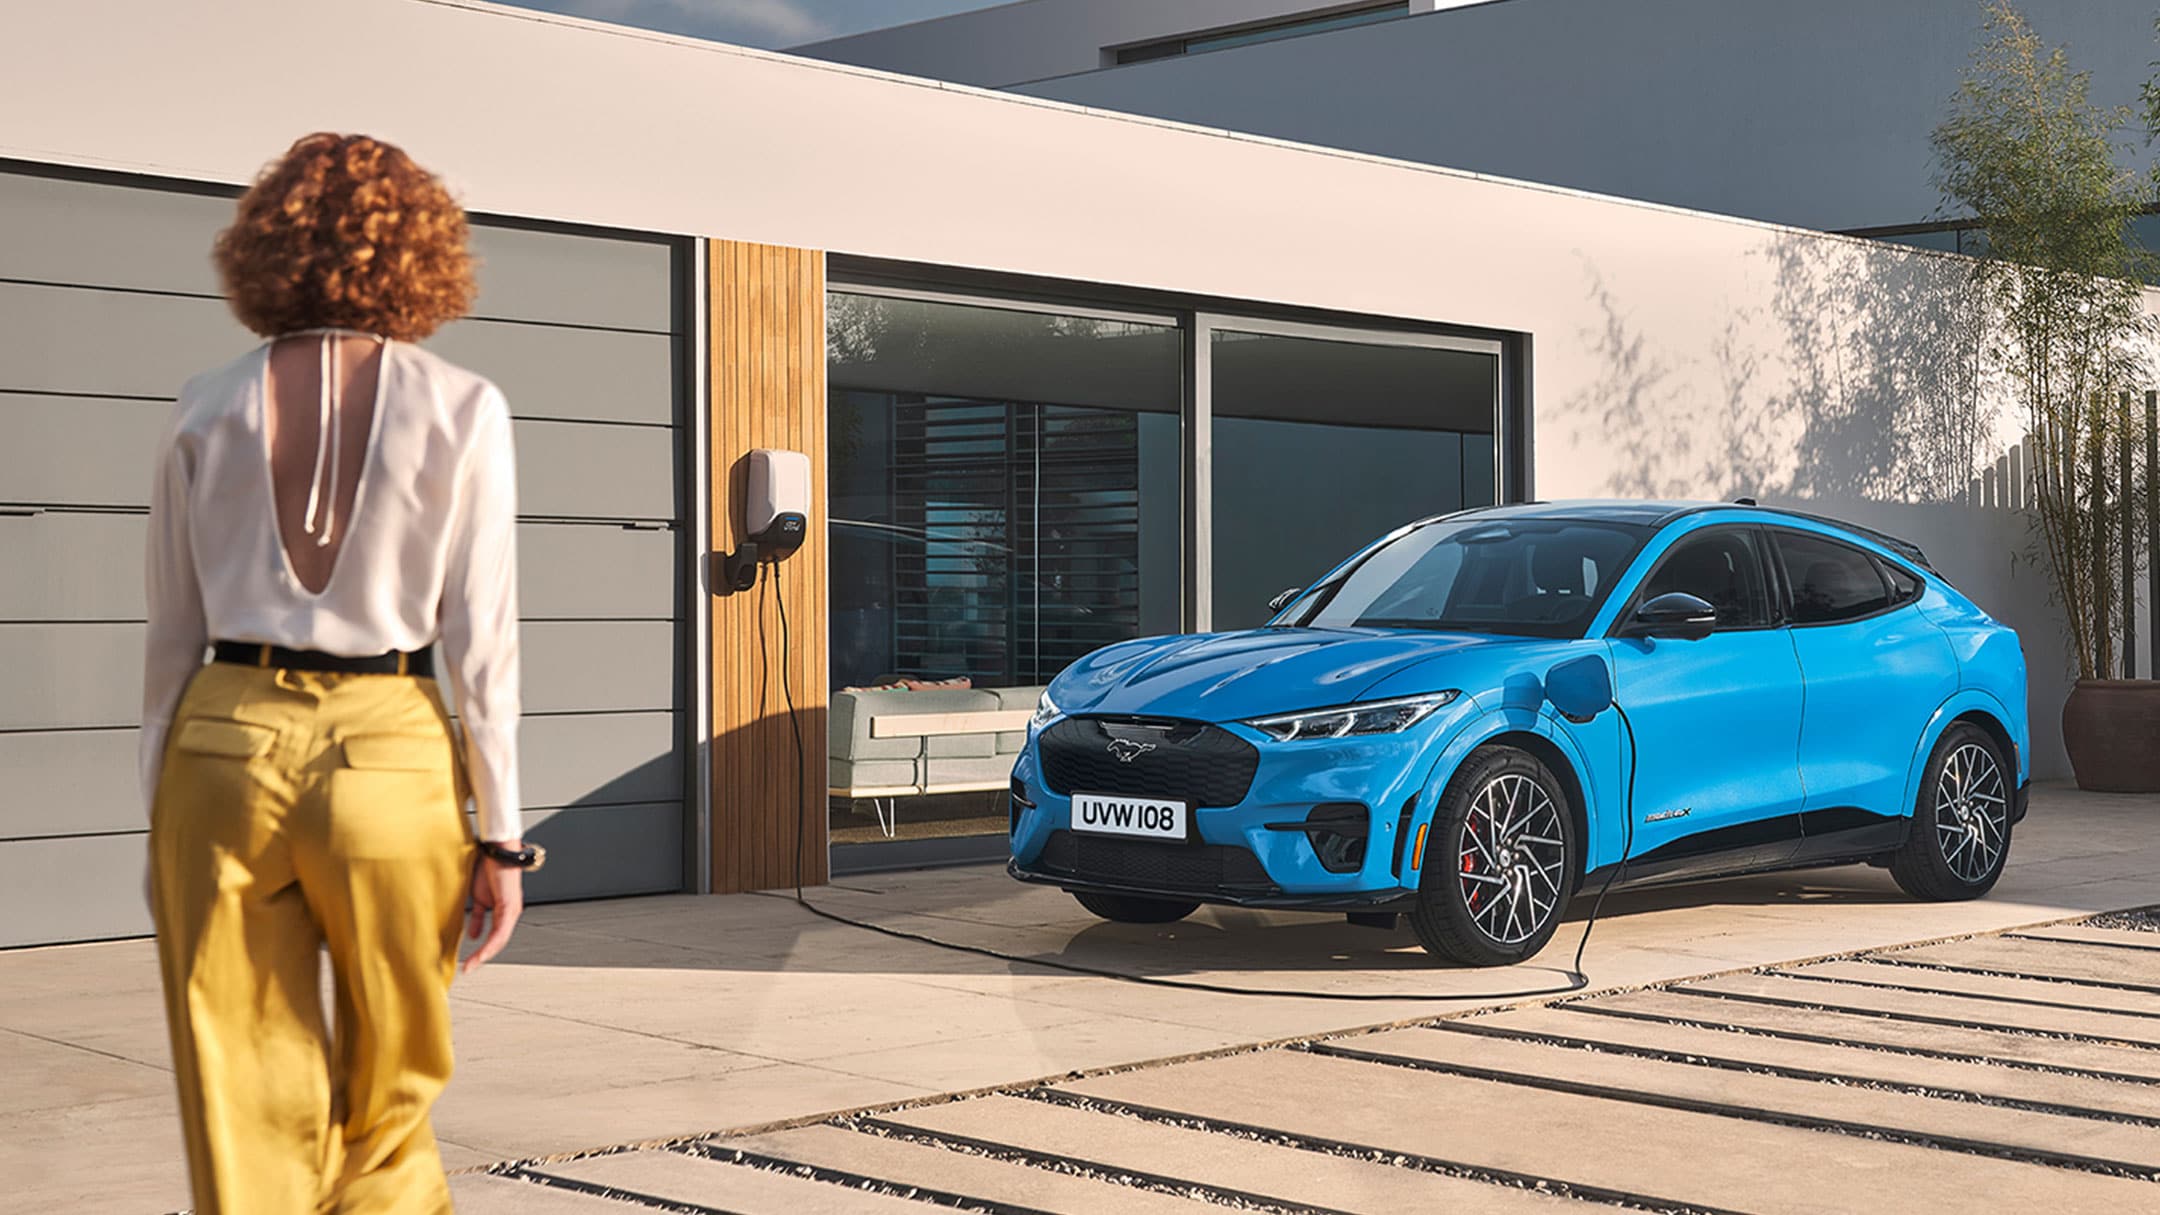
(1479, 715)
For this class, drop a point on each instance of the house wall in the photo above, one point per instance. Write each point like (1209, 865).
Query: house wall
(1676, 353)
(1815, 114)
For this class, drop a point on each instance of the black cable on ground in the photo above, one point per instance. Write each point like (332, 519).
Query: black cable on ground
(1577, 981)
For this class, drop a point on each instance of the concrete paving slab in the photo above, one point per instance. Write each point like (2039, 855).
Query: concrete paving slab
(2090, 934)
(1673, 1156)
(1741, 1049)
(43, 1167)
(989, 1180)
(1741, 1095)
(2130, 1062)
(1074, 1043)
(44, 1075)
(2077, 960)
(2060, 992)
(735, 1188)
(2140, 1031)
(1272, 1171)
(665, 1109)
(481, 1194)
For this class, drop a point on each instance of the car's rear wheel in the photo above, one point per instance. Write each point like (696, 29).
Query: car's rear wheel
(1500, 861)
(1961, 824)
(1135, 909)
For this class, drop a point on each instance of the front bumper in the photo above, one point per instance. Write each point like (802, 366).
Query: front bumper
(1254, 853)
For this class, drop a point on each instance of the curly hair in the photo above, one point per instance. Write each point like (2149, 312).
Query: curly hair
(345, 231)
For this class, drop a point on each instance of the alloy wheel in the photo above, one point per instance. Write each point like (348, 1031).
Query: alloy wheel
(1513, 858)
(1972, 812)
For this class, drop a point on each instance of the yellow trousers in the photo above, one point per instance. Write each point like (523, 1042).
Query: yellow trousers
(298, 811)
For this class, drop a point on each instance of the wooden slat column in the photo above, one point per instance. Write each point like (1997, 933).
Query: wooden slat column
(768, 390)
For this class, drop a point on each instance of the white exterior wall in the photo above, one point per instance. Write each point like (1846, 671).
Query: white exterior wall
(1677, 354)
(1814, 113)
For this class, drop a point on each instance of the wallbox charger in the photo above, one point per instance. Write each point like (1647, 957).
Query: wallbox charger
(776, 511)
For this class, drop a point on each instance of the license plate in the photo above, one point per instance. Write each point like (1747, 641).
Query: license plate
(1152, 818)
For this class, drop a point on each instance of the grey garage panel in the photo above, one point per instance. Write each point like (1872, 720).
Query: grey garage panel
(70, 782)
(71, 676)
(119, 343)
(79, 451)
(102, 235)
(589, 571)
(599, 666)
(602, 759)
(573, 280)
(83, 782)
(580, 374)
(87, 888)
(609, 851)
(112, 343)
(583, 470)
(61, 231)
(88, 676)
(89, 568)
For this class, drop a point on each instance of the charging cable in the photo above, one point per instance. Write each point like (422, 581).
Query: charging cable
(1577, 980)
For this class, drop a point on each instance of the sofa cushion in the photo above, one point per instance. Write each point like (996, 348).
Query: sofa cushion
(1011, 742)
(851, 713)
(846, 774)
(993, 771)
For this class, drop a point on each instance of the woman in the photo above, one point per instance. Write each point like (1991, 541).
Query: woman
(333, 521)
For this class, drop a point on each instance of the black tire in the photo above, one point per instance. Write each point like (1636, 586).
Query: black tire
(1133, 909)
(1946, 855)
(1457, 910)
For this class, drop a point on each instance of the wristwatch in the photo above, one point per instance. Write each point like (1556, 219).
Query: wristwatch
(531, 856)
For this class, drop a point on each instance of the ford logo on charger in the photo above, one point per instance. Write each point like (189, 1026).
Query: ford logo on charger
(1127, 750)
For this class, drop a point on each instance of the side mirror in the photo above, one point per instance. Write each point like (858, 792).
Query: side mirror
(1282, 599)
(1676, 614)
(1581, 688)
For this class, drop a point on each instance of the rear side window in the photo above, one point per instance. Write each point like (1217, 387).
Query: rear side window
(1904, 588)
(1830, 581)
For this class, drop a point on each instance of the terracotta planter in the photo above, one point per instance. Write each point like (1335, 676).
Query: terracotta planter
(2111, 728)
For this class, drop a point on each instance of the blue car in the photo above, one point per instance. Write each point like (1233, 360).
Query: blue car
(1480, 715)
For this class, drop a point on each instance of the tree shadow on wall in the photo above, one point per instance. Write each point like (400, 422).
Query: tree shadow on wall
(1861, 377)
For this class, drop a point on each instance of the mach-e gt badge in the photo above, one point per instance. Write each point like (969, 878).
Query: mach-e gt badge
(1127, 750)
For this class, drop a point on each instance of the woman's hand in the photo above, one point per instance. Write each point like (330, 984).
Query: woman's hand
(498, 889)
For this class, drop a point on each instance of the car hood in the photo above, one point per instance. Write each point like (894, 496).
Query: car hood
(1227, 676)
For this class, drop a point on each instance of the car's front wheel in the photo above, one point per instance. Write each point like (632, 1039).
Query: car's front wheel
(1500, 862)
(1134, 909)
(1961, 824)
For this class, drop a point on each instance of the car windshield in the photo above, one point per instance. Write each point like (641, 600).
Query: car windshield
(1533, 577)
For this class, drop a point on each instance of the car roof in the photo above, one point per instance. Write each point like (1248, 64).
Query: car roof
(1658, 513)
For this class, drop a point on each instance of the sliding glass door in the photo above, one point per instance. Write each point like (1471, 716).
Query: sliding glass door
(1321, 439)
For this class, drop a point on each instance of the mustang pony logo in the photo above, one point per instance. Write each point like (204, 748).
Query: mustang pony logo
(1127, 750)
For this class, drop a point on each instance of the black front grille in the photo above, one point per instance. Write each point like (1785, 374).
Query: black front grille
(1197, 868)
(1194, 762)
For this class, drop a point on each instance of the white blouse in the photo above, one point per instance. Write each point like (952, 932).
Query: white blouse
(430, 554)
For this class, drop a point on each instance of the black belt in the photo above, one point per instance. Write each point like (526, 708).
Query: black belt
(419, 662)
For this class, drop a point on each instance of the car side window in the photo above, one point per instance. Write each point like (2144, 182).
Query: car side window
(1830, 581)
(1722, 566)
(1904, 588)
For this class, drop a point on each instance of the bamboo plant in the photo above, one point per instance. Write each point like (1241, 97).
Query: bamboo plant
(2038, 168)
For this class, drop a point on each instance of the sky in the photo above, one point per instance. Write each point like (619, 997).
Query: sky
(771, 24)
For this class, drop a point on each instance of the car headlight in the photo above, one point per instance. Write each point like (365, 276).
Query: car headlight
(1372, 717)
(1045, 709)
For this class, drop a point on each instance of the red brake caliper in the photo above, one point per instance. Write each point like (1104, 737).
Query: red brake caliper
(1475, 894)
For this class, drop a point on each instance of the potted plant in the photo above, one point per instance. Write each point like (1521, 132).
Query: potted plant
(2027, 154)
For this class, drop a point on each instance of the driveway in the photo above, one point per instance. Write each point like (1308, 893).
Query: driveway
(738, 1028)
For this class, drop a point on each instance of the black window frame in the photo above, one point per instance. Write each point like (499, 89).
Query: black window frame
(1767, 563)
(1875, 562)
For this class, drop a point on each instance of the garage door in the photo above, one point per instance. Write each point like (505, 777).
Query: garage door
(107, 304)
